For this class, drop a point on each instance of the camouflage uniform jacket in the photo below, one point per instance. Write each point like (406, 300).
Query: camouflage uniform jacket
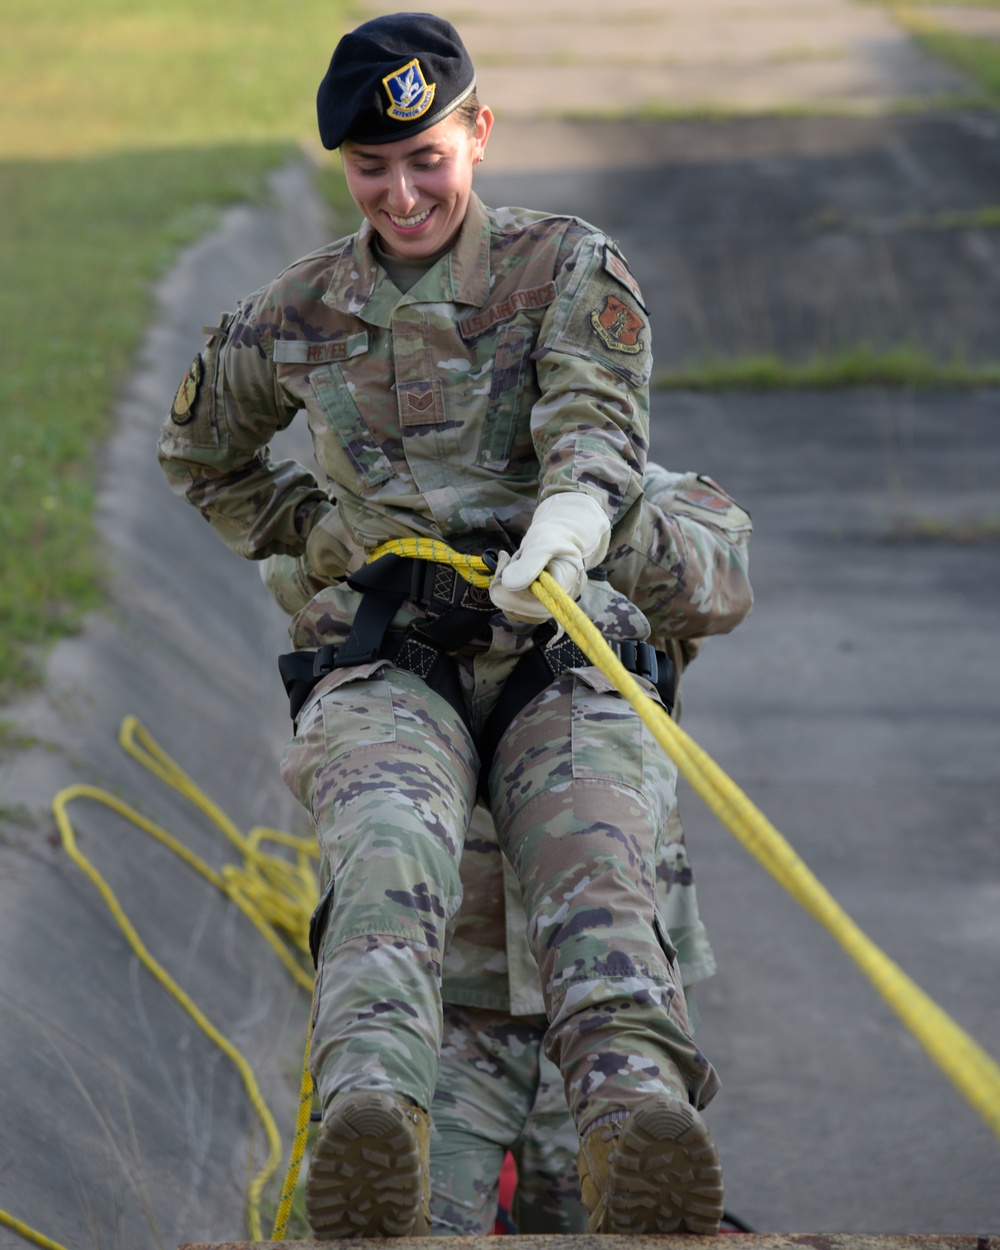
(515, 368)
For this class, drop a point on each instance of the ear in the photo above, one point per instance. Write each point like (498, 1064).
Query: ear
(484, 124)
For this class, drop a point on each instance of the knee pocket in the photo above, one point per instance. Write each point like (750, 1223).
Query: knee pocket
(578, 728)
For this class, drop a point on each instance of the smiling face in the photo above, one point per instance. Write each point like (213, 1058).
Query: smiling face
(415, 191)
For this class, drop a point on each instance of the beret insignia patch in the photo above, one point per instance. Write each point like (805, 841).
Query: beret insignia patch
(410, 96)
(617, 326)
(182, 410)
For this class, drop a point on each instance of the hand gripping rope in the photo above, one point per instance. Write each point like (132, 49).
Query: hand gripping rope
(278, 895)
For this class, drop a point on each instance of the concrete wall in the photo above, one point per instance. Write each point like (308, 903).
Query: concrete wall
(121, 1124)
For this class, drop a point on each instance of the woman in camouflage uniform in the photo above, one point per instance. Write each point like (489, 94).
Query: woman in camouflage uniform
(496, 1090)
(478, 376)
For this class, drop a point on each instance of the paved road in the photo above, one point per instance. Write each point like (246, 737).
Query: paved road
(859, 705)
(564, 58)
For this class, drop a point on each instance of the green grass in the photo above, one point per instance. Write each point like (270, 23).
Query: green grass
(938, 4)
(661, 111)
(82, 242)
(925, 529)
(977, 58)
(125, 127)
(860, 366)
(986, 217)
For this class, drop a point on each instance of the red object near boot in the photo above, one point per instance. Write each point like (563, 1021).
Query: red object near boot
(505, 1196)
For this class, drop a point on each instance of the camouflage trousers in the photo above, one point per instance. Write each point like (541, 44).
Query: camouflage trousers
(580, 793)
(496, 1092)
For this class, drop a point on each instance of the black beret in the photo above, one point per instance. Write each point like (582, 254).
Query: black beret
(393, 77)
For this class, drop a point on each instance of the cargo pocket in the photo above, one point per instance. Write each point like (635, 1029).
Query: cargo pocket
(510, 364)
(351, 707)
(357, 711)
(607, 734)
(349, 441)
(318, 922)
(678, 1003)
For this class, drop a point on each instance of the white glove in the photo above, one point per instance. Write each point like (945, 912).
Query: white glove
(567, 536)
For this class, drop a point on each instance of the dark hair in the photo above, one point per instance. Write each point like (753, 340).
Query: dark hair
(468, 111)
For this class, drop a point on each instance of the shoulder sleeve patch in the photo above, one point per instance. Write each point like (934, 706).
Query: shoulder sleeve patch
(702, 494)
(618, 327)
(182, 409)
(614, 264)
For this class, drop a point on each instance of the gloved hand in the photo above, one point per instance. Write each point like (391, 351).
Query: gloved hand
(567, 536)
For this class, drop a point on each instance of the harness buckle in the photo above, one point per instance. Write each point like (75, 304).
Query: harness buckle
(639, 658)
(324, 660)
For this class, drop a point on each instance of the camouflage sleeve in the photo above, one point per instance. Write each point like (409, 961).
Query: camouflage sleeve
(591, 422)
(294, 580)
(213, 446)
(686, 562)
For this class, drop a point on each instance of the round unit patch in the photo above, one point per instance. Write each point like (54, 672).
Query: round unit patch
(182, 410)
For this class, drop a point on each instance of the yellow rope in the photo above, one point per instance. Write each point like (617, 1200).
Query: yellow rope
(276, 893)
(298, 1147)
(59, 803)
(29, 1233)
(973, 1072)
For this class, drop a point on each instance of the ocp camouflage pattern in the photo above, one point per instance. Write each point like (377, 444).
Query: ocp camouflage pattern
(516, 367)
(448, 411)
(497, 1092)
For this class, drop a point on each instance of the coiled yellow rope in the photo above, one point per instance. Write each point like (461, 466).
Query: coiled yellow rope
(276, 893)
(972, 1071)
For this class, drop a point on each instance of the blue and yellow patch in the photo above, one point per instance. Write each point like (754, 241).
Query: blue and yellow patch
(410, 95)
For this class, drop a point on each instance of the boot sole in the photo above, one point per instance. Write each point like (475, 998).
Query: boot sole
(365, 1177)
(665, 1174)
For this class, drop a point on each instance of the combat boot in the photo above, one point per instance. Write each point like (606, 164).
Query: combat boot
(370, 1170)
(655, 1171)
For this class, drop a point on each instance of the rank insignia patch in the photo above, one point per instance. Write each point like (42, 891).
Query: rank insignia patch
(617, 326)
(615, 266)
(410, 96)
(182, 410)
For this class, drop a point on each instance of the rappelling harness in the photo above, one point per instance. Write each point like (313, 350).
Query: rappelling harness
(457, 613)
